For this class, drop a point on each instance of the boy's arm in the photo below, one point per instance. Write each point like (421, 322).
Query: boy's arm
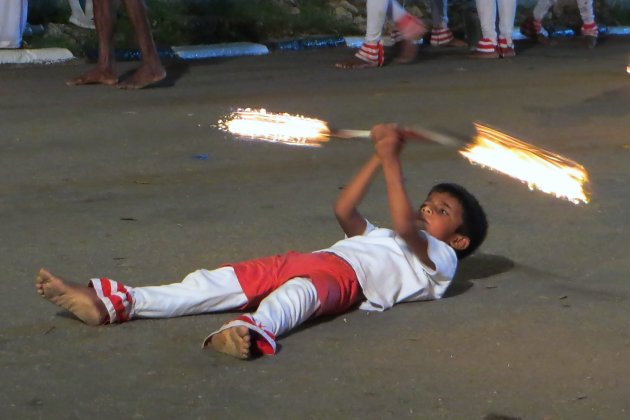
(388, 144)
(349, 218)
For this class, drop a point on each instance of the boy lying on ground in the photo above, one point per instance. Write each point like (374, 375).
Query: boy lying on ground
(371, 268)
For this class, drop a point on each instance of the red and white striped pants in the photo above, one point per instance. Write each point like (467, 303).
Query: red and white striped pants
(284, 290)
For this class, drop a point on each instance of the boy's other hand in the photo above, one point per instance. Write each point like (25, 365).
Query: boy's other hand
(387, 140)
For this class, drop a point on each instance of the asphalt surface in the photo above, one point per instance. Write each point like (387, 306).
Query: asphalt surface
(98, 181)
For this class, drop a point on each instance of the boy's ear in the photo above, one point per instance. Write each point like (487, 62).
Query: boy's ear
(459, 242)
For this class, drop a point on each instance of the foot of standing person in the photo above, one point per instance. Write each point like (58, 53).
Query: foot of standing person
(453, 43)
(457, 43)
(484, 55)
(356, 63)
(590, 41)
(235, 341)
(80, 300)
(82, 22)
(95, 76)
(145, 76)
(407, 51)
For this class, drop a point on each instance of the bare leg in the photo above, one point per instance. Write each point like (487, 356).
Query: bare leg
(151, 69)
(80, 300)
(235, 342)
(103, 73)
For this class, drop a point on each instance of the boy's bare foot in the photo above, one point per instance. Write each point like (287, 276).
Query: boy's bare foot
(356, 63)
(95, 76)
(146, 75)
(80, 300)
(234, 341)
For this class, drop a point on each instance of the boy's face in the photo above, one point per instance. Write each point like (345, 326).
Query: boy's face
(441, 215)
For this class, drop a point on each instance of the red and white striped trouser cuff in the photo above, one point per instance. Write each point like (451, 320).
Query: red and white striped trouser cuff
(372, 53)
(589, 29)
(264, 340)
(441, 36)
(486, 45)
(116, 298)
(504, 43)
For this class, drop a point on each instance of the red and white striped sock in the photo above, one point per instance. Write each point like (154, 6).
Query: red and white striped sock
(486, 45)
(537, 26)
(441, 36)
(116, 298)
(589, 29)
(371, 53)
(504, 43)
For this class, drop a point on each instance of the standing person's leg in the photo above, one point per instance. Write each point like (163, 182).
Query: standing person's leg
(589, 29)
(541, 9)
(12, 23)
(532, 26)
(151, 69)
(409, 29)
(78, 17)
(371, 53)
(487, 46)
(76, 12)
(103, 73)
(507, 14)
(89, 9)
(441, 35)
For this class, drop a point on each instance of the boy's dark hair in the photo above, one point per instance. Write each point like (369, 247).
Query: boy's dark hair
(474, 223)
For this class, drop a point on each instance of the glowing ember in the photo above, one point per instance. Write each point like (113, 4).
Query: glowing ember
(539, 169)
(281, 128)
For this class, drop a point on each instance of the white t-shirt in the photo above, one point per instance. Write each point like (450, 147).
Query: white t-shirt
(389, 272)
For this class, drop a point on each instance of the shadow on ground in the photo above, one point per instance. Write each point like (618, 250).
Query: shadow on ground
(475, 267)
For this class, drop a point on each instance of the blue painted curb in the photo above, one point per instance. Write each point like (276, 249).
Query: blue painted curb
(199, 52)
(308, 43)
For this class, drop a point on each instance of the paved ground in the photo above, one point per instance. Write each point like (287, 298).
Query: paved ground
(102, 182)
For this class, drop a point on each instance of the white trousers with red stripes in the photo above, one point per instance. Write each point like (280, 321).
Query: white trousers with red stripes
(379, 10)
(439, 13)
(13, 15)
(585, 7)
(205, 291)
(487, 11)
(377, 13)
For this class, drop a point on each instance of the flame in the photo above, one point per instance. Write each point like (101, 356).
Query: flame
(538, 168)
(628, 68)
(280, 128)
